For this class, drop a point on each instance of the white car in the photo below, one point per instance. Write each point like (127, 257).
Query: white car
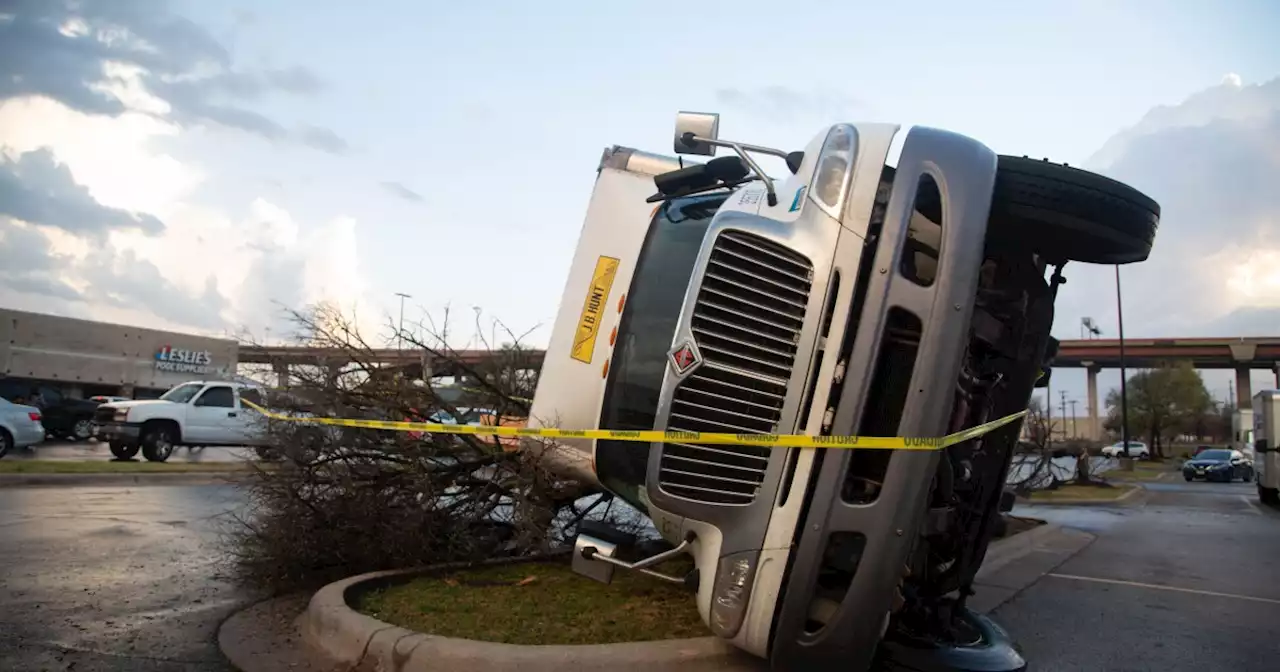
(1137, 449)
(20, 426)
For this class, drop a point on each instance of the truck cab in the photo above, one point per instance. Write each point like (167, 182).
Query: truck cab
(197, 413)
(851, 297)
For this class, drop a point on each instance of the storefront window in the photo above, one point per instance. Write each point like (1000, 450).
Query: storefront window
(644, 336)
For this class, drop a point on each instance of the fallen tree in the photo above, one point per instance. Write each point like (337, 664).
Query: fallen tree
(336, 500)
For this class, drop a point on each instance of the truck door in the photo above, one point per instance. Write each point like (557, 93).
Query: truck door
(213, 417)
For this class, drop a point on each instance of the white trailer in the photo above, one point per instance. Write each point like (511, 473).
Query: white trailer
(1266, 445)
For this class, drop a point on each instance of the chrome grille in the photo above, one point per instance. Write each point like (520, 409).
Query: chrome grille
(746, 321)
(103, 414)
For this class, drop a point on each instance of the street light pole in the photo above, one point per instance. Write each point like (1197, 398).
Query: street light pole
(1124, 394)
(400, 329)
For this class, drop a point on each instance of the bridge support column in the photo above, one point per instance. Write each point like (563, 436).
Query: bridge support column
(1244, 389)
(1095, 425)
(332, 370)
(281, 370)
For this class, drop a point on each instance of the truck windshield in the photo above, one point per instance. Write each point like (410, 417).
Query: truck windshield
(645, 331)
(182, 393)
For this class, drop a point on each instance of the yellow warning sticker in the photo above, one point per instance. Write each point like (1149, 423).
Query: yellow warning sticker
(584, 340)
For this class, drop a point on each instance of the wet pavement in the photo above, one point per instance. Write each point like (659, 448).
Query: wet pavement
(106, 579)
(1186, 577)
(77, 451)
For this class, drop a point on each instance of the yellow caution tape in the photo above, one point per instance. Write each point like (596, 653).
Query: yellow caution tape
(700, 438)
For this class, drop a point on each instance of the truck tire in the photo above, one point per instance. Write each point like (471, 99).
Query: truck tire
(1067, 214)
(1269, 496)
(992, 651)
(124, 451)
(157, 442)
(82, 430)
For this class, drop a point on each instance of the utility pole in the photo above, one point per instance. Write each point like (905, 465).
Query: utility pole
(1124, 394)
(1073, 418)
(1048, 412)
(1063, 406)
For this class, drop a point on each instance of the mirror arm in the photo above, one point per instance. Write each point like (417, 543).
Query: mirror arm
(742, 149)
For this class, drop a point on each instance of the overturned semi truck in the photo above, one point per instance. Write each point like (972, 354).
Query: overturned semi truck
(851, 297)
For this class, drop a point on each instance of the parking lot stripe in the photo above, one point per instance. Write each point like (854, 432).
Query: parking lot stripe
(1135, 584)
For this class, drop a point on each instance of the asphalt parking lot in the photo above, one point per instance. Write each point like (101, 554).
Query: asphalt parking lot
(1185, 578)
(113, 579)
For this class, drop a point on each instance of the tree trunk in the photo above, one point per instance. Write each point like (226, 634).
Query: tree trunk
(1083, 474)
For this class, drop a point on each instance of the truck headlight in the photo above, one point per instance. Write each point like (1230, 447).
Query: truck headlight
(834, 169)
(732, 592)
(120, 415)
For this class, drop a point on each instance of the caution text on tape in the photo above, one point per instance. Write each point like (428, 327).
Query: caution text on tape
(653, 436)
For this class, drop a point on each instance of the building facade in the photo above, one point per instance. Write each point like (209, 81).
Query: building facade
(84, 358)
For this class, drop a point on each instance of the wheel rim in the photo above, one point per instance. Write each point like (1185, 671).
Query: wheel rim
(162, 445)
(82, 429)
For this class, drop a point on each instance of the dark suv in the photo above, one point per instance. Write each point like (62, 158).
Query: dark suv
(63, 417)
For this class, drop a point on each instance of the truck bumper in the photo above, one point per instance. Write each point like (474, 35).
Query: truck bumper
(118, 431)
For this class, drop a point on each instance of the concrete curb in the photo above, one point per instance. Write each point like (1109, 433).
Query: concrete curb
(1003, 551)
(120, 479)
(350, 638)
(1014, 564)
(1136, 488)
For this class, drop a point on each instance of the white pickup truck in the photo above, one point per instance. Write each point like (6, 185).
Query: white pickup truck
(198, 413)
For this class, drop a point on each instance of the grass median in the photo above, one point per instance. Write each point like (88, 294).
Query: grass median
(1082, 493)
(541, 603)
(105, 466)
(1144, 474)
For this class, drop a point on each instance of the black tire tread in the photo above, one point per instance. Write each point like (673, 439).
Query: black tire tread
(1069, 214)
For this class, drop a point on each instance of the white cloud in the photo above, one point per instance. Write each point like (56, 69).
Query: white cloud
(264, 258)
(112, 157)
(1232, 79)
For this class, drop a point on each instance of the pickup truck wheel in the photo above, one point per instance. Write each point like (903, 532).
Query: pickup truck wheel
(1067, 214)
(266, 454)
(82, 430)
(157, 443)
(124, 451)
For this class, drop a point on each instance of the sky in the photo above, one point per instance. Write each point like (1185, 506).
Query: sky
(199, 166)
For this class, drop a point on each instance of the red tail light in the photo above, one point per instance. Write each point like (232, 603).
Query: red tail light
(35, 417)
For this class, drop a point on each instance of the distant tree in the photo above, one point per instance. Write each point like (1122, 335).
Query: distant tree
(1163, 403)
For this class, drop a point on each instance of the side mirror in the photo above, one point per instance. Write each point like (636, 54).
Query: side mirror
(696, 124)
